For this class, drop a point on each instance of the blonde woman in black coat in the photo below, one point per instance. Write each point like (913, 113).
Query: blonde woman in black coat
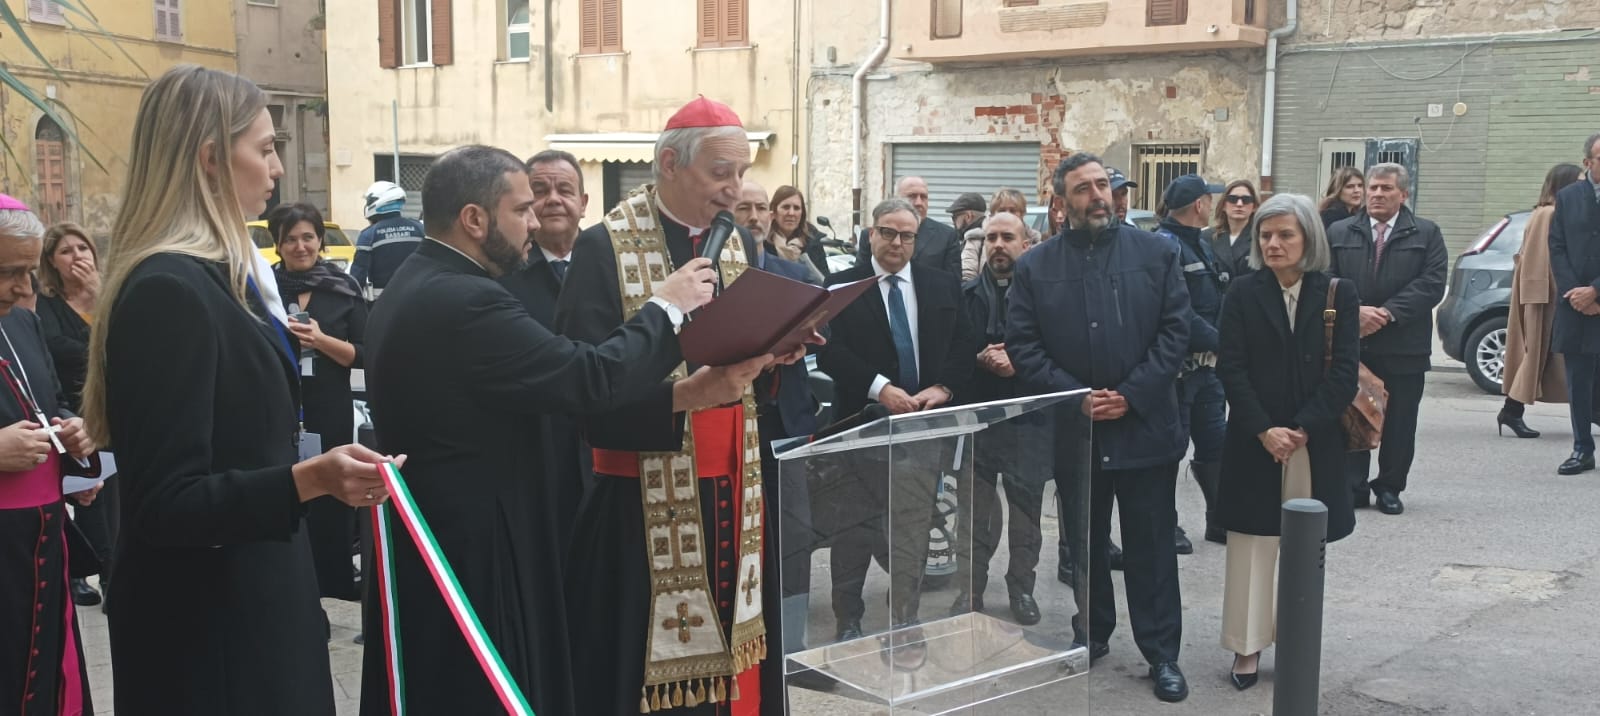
(1285, 399)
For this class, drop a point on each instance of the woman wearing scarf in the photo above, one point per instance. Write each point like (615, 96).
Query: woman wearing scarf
(329, 319)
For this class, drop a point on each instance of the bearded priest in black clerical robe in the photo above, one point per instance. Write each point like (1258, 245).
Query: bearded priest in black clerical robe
(459, 377)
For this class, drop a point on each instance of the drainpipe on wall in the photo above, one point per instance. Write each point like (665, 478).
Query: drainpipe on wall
(1269, 111)
(858, 90)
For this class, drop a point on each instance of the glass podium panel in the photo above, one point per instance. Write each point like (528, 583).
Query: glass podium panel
(921, 576)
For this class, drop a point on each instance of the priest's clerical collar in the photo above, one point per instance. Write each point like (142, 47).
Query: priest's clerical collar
(693, 230)
(459, 251)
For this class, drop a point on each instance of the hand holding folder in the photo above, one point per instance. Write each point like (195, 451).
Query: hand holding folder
(763, 313)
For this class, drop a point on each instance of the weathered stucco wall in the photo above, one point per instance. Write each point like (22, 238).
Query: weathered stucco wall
(1360, 20)
(1106, 106)
(484, 99)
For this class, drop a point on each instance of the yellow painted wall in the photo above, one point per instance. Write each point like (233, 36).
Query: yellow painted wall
(98, 91)
(481, 99)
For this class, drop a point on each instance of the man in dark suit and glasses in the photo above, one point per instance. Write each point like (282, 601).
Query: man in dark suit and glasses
(1575, 261)
(938, 246)
(907, 346)
(1398, 263)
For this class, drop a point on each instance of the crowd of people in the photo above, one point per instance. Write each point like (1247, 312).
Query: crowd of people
(1553, 335)
(560, 515)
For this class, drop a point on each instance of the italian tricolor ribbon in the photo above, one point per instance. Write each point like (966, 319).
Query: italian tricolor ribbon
(401, 503)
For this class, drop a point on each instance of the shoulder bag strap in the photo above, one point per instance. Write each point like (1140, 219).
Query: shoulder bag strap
(1329, 315)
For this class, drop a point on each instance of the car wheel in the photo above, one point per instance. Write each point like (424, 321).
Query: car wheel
(1486, 354)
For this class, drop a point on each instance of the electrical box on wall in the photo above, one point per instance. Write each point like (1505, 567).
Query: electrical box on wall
(1435, 111)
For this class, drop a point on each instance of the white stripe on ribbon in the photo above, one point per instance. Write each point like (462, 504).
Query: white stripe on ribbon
(454, 597)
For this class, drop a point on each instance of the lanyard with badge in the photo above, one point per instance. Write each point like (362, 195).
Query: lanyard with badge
(16, 375)
(308, 444)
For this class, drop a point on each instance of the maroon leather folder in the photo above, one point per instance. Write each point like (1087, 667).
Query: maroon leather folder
(763, 313)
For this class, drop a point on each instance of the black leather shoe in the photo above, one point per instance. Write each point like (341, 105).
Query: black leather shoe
(1180, 541)
(1388, 502)
(84, 595)
(966, 602)
(1170, 685)
(1579, 462)
(1064, 570)
(1518, 427)
(1114, 556)
(1243, 681)
(1097, 650)
(1025, 609)
(848, 631)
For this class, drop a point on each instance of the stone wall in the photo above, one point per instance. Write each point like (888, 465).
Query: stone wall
(1368, 20)
(1106, 106)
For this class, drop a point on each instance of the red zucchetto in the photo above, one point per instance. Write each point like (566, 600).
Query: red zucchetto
(702, 112)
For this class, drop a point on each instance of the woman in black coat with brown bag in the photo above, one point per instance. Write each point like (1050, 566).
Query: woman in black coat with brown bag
(1287, 390)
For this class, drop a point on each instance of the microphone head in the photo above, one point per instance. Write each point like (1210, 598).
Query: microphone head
(723, 217)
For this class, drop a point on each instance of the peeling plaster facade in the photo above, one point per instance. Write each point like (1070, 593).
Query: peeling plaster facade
(1324, 21)
(1105, 106)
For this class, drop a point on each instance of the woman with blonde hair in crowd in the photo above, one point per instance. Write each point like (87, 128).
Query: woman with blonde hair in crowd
(1346, 192)
(793, 236)
(193, 379)
(1007, 200)
(1532, 373)
(69, 281)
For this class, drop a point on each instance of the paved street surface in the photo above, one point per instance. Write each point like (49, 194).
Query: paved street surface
(1480, 599)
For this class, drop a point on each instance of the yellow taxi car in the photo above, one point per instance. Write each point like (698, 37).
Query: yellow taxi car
(337, 246)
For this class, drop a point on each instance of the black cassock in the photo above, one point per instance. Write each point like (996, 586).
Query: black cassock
(457, 372)
(608, 579)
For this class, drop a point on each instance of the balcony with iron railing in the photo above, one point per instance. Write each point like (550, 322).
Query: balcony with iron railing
(988, 30)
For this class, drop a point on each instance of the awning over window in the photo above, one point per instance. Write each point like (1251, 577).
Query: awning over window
(631, 146)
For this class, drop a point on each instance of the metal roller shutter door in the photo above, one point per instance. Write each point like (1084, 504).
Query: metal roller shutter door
(952, 169)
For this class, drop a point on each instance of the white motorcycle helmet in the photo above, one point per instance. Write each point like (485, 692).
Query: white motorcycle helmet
(384, 197)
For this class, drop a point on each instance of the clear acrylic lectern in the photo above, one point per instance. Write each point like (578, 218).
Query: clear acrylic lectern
(906, 546)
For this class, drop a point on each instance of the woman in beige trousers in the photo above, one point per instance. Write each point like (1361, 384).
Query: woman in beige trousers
(1288, 360)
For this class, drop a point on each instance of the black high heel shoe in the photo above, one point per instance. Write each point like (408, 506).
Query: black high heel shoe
(1515, 422)
(1244, 681)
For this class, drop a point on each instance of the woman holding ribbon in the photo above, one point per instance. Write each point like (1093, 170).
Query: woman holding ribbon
(192, 376)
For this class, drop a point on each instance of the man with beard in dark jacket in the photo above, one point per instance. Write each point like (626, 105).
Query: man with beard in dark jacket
(1012, 448)
(1202, 409)
(1103, 308)
(1398, 263)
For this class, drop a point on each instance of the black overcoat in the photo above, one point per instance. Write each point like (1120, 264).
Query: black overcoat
(216, 609)
(1575, 263)
(1274, 378)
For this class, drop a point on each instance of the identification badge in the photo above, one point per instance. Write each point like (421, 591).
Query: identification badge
(308, 367)
(310, 445)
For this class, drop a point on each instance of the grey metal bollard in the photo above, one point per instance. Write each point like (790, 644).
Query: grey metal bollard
(1301, 564)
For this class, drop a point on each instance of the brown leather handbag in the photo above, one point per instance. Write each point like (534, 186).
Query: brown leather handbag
(1363, 420)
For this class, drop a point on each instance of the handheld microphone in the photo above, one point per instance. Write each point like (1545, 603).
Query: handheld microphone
(716, 237)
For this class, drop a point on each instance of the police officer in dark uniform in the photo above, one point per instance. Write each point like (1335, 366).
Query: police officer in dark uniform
(1202, 408)
(386, 243)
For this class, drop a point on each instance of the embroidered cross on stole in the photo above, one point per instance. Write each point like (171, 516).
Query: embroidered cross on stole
(687, 660)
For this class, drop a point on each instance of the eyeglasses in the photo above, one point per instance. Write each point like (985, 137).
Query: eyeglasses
(1240, 199)
(891, 235)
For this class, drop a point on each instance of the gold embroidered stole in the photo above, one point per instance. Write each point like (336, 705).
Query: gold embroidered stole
(687, 661)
